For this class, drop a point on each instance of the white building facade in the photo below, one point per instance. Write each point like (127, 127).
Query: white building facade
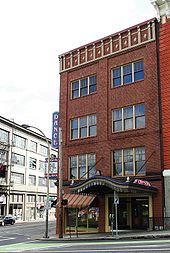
(23, 165)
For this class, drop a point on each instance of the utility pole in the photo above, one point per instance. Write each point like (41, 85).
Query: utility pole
(60, 186)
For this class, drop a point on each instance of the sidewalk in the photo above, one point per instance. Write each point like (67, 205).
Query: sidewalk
(122, 234)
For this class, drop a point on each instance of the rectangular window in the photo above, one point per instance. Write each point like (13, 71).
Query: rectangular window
(4, 136)
(127, 74)
(19, 141)
(92, 84)
(91, 161)
(117, 162)
(75, 89)
(83, 87)
(43, 150)
(139, 116)
(73, 167)
(131, 117)
(140, 160)
(17, 178)
(117, 81)
(92, 125)
(32, 180)
(83, 127)
(128, 118)
(74, 129)
(32, 163)
(3, 156)
(82, 166)
(130, 161)
(138, 71)
(42, 166)
(117, 120)
(30, 198)
(52, 183)
(33, 146)
(42, 181)
(18, 159)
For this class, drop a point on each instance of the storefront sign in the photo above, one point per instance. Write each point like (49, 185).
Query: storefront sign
(55, 130)
(141, 182)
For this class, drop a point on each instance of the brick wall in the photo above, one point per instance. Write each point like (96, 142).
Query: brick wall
(165, 88)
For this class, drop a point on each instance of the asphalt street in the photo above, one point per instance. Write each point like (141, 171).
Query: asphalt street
(28, 237)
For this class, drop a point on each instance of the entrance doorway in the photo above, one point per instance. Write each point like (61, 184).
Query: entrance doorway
(133, 213)
(140, 213)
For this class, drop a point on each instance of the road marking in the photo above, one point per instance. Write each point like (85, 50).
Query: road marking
(32, 245)
(19, 247)
(6, 238)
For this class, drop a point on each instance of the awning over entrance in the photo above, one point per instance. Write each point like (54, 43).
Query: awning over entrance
(105, 185)
(78, 201)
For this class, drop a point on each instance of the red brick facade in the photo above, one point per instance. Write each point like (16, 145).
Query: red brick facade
(165, 88)
(104, 101)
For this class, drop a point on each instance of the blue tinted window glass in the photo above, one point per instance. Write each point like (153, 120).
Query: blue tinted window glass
(75, 93)
(139, 75)
(138, 71)
(117, 77)
(139, 109)
(75, 89)
(74, 123)
(117, 162)
(84, 87)
(83, 121)
(92, 84)
(127, 74)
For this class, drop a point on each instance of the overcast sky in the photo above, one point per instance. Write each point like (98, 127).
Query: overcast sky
(33, 33)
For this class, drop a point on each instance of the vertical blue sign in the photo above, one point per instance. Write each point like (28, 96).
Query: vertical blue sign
(55, 130)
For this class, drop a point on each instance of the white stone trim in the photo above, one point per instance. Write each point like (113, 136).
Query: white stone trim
(166, 173)
(162, 8)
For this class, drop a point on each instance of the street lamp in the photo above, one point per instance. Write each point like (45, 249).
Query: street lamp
(48, 172)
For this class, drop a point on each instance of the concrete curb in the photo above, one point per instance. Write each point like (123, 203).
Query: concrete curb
(90, 237)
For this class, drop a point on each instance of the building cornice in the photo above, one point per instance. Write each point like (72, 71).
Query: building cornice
(162, 8)
(111, 45)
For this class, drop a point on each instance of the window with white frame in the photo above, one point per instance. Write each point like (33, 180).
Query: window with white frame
(127, 118)
(33, 146)
(19, 141)
(4, 136)
(83, 127)
(43, 150)
(30, 198)
(52, 183)
(32, 180)
(83, 87)
(18, 159)
(42, 166)
(82, 166)
(17, 178)
(41, 198)
(3, 156)
(130, 161)
(128, 73)
(42, 181)
(32, 163)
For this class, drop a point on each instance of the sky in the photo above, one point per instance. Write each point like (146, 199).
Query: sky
(33, 33)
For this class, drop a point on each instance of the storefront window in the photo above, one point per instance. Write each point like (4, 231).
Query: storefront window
(85, 219)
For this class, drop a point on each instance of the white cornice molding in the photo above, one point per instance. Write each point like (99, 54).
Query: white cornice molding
(162, 8)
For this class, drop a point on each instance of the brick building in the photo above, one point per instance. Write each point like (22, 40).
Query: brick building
(110, 114)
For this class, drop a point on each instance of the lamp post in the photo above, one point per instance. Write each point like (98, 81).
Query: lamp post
(48, 172)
